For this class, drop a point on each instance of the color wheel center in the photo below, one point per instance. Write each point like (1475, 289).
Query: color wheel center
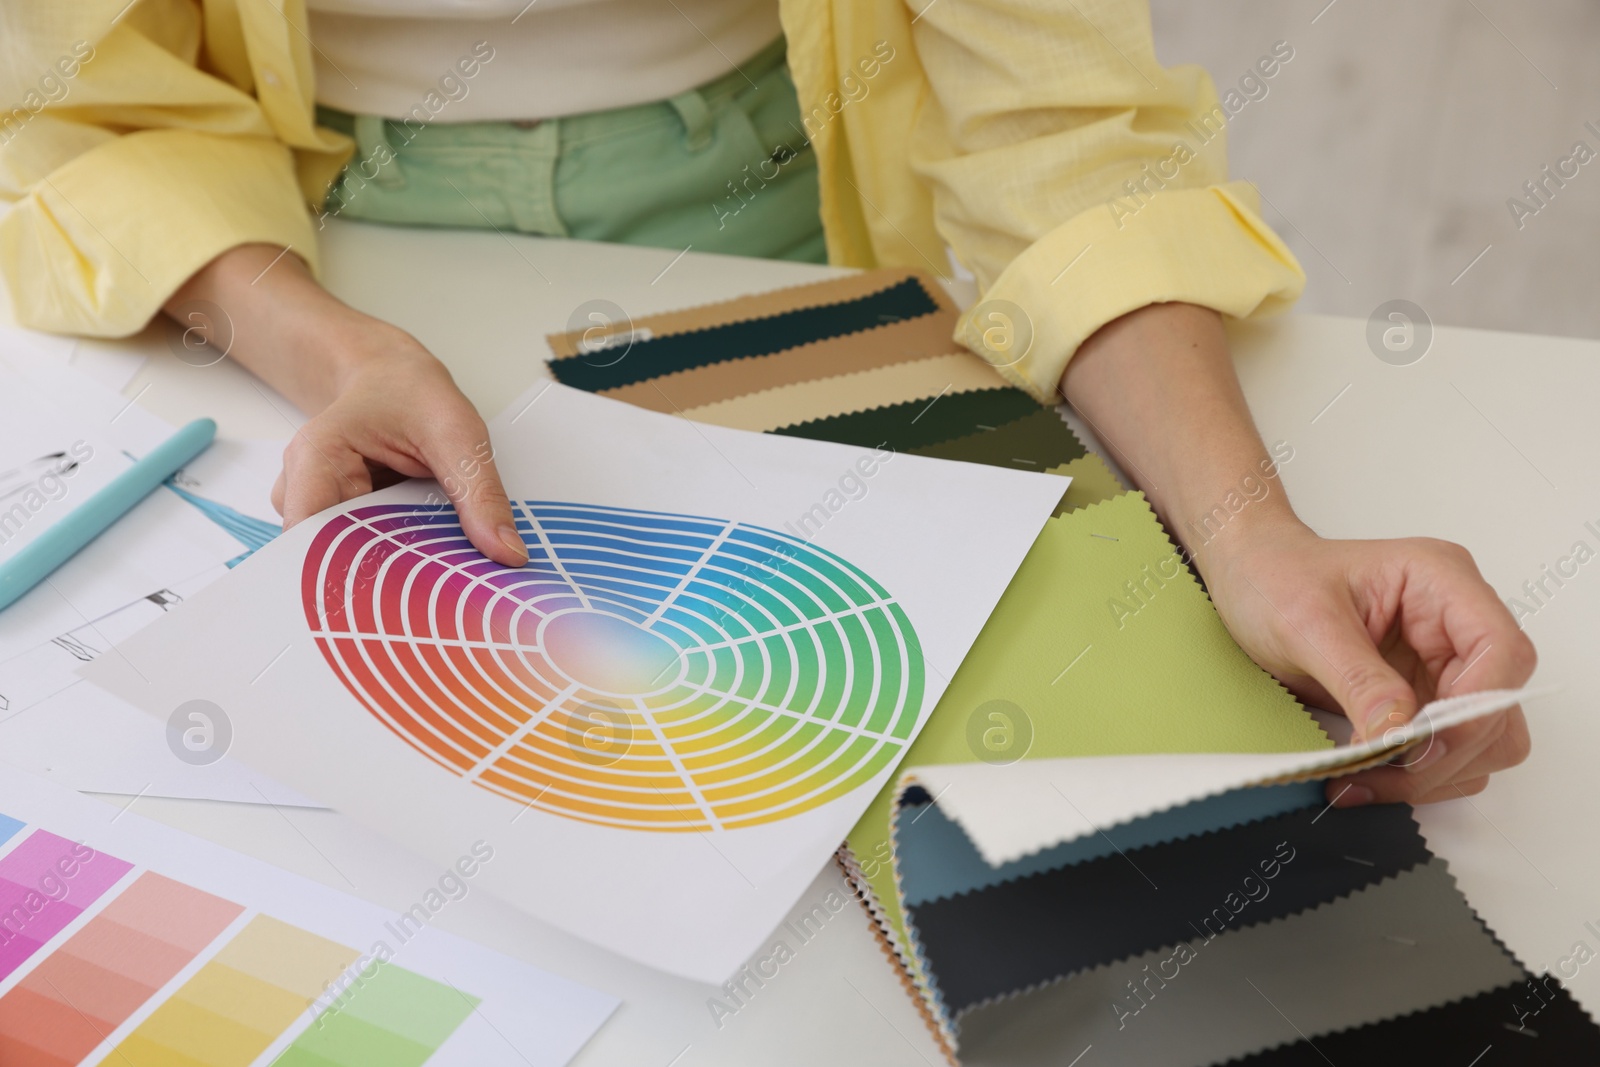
(610, 655)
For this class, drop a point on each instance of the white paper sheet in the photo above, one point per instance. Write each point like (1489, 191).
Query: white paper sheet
(51, 461)
(939, 540)
(111, 366)
(164, 549)
(85, 738)
(525, 1015)
(106, 412)
(53, 724)
(17, 343)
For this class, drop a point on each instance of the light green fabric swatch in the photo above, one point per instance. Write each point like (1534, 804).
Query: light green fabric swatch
(1092, 482)
(1103, 644)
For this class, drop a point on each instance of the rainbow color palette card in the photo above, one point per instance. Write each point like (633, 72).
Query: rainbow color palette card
(128, 943)
(721, 647)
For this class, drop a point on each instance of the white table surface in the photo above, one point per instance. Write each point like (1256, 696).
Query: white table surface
(1488, 440)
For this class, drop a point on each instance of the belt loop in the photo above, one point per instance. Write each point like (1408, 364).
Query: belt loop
(370, 137)
(697, 121)
(536, 209)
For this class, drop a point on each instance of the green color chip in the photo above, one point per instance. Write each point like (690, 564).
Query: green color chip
(396, 1017)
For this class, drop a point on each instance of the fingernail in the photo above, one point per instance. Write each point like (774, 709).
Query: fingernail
(1435, 750)
(1386, 716)
(513, 540)
(1353, 797)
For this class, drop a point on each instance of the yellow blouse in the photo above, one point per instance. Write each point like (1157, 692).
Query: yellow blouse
(1039, 140)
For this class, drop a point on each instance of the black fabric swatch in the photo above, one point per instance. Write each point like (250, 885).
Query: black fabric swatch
(735, 340)
(1010, 936)
(918, 423)
(1481, 1030)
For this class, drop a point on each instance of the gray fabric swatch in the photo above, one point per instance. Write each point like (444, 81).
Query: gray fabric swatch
(1403, 945)
(991, 943)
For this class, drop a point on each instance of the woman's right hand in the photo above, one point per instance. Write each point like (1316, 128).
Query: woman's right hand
(379, 400)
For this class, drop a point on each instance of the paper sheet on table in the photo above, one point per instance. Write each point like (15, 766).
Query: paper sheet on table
(20, 344)
(411, 695)
(198, 954)
(158, 543)
(51, 460)
(163, 550)
(111, 366)
(108, 413)
(161, 553)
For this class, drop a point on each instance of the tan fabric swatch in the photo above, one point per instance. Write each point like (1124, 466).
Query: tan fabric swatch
(757, 306)
(895, 342)
(786, 405)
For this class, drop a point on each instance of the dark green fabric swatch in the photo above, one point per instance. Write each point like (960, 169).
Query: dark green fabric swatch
(918, 423)
(606, 369)
(1035, 442)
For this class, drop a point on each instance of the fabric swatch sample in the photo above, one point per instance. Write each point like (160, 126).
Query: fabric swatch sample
(937, 859)
(1008, 937)
(1035, 442)
(913, 424)
(1402, 945)
(802, 401)
(1461, 1032)
(1079, 678)
(895, 342)
(656, 355)
(1092, 482)
(764, 305)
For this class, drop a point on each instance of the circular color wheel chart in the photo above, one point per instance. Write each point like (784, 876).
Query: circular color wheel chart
(644, 670)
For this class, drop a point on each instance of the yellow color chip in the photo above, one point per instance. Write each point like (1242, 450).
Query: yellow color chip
(241, 998)
(239, 1002)
(138, 1051)
(286, 956)
(184, 1029)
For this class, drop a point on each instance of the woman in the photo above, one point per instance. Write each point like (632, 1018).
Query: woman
(169, 151)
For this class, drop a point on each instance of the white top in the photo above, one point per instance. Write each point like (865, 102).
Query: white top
(477, 60)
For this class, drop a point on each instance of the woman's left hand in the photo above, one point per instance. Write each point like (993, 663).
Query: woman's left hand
(1377, 628)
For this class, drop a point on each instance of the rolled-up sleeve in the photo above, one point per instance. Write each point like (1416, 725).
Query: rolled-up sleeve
(97, 246)
(142, 169)
(1079, 180)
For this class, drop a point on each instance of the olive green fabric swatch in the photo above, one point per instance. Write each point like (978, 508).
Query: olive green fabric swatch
(1103, 644)
(1035, 442)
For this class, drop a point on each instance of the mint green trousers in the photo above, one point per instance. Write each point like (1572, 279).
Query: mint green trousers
(722, 168)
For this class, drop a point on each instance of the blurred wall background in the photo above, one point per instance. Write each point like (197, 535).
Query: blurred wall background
(1386, 149)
